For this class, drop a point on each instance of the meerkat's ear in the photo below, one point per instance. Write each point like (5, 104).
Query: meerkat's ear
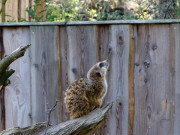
(98, 74)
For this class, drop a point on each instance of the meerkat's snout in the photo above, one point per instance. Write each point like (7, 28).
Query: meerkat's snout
(104, 64)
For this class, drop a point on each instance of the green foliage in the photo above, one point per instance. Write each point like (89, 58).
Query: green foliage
(22, 20)
(80, 10)
(151, 9)
(64, 11)
(32, 12)
(95, 10)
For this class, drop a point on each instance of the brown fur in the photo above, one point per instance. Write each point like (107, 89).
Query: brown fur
(83, 95)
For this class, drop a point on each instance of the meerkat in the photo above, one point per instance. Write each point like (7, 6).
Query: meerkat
(85, 94)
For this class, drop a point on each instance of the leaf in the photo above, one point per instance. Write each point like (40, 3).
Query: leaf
(22, 20)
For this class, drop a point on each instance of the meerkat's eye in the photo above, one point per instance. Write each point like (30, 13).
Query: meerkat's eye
(101, 65)
(98, 74)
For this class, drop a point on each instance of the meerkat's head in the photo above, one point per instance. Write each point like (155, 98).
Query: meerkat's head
(98, 71)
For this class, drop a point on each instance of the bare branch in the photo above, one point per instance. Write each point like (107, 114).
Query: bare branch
(5, 73)
(88, 125)
(49, 116)
(6, 61)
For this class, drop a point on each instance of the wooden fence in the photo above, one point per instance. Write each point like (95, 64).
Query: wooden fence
(143, 80)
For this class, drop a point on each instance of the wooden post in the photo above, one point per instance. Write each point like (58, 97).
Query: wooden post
(40, 10)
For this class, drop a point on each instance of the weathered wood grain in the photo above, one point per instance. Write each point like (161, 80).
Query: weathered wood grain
(176, 28)
(44, 72)
(5, 74)
(2, 112)
(131, 81)
(114, 46)
(15, 10)
(104, 53)
(103, 41)
(2, 97)
(143, 77)
(81, 51)
(24, 5)
(11, 10)
(17, 94)
(78, 54)
(153, 99)
(63, 46)
(118, 47)
(172, 73)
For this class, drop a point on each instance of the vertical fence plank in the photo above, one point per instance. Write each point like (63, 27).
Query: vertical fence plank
(8, 9)
(172, 75)
(103, 37)
(11, 9)
(176, 28)
(81, 51)
(153, 98)
(119, 41)
(77, 54)
(44, 72)
(2, 107)
(63, 71)
(131, 81)
(24, 5)
(105, 51)
(15, 10)
(118, 50)
(2, 93)
(17, 94)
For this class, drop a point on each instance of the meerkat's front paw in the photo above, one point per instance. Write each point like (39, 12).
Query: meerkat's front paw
(99, 104)
(94, 107)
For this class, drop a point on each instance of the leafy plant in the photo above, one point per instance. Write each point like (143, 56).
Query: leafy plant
(82, 10)
(71, 10)
(33, 12)
(152, 9)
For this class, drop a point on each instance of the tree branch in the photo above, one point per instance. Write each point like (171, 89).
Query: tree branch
(5, 73)
(49, 116)
(88, 125)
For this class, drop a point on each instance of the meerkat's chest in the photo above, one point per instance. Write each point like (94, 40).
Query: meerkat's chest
(102, 89)
(105, 86)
